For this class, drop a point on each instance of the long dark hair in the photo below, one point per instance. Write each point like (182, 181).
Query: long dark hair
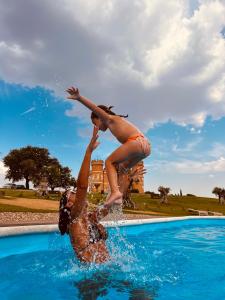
(64, 214)
(107, 109)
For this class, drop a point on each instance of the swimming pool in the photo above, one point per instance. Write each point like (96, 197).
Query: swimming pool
(173, 260)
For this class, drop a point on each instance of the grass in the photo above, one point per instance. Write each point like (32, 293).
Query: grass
(177, 206)
(31, 194)
(14, 208)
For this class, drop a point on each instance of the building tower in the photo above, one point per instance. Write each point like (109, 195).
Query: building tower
(98, 181)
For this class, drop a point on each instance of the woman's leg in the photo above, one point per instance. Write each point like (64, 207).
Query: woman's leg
(128, 151)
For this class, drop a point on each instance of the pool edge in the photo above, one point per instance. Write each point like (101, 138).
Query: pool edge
(27, 229)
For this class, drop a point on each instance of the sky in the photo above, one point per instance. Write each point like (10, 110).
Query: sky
(160, 62)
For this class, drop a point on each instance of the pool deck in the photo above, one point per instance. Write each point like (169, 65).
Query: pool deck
(29, 218)
(28, 229)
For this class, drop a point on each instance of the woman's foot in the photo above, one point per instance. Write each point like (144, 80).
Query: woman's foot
(115, 198)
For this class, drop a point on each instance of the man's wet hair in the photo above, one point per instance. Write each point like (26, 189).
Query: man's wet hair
(108, 110)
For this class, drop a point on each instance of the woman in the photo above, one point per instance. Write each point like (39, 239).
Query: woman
(87, 235)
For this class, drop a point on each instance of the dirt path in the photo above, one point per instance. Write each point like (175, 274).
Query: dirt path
(54, 205)
(32, 203)
(28, 218)
(145, 212)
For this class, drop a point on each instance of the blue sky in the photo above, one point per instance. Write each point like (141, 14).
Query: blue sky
(170, 80)
(34, 116)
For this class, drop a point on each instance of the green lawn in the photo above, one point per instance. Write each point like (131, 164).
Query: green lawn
(25, 194)
(177, 206)
(13, 208)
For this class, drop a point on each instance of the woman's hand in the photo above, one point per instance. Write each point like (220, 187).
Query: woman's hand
(94, 140)
(74, 93)
(137, 174)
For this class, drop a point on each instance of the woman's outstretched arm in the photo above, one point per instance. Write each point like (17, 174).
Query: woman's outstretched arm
(75, 95)
(82, 180)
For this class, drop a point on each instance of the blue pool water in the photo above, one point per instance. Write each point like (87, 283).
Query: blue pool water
(176, 260)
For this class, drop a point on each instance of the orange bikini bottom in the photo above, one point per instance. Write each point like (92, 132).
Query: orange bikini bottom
(143, 142)
(134, 137)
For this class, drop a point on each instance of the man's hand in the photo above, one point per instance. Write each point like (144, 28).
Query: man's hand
(74, 93)
(94, 140)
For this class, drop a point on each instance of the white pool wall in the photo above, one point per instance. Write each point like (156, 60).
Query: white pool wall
(28, 229)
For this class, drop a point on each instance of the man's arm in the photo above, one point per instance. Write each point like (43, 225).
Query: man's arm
(75, 95)
(82, 180)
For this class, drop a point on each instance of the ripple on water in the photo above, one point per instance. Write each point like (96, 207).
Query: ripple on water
(160, 263)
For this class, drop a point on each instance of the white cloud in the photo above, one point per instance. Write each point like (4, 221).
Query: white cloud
(151, 59)
(3, 171)
(197, 167)
(217, 150)
(189, 147)
(191, 166)
(217, 91)
(211, 175)
(194, 130)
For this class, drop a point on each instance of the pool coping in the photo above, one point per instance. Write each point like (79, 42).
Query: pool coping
(28, 229)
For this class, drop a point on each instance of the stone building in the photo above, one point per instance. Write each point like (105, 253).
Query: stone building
(98, 180)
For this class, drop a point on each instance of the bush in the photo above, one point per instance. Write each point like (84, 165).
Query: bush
(135, 191)
(54, 193)
(190, 195)
(154, 195)
(2, 193)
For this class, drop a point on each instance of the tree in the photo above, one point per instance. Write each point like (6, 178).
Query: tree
(57, 175)
(53, 175)
(220, 193)
(126, 182)
(164, 191)
(73, 182)
(34, 164)
(66, 178)
(26, 163)
(223, 196)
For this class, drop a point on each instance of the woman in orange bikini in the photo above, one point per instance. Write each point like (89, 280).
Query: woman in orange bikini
(134, 148)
